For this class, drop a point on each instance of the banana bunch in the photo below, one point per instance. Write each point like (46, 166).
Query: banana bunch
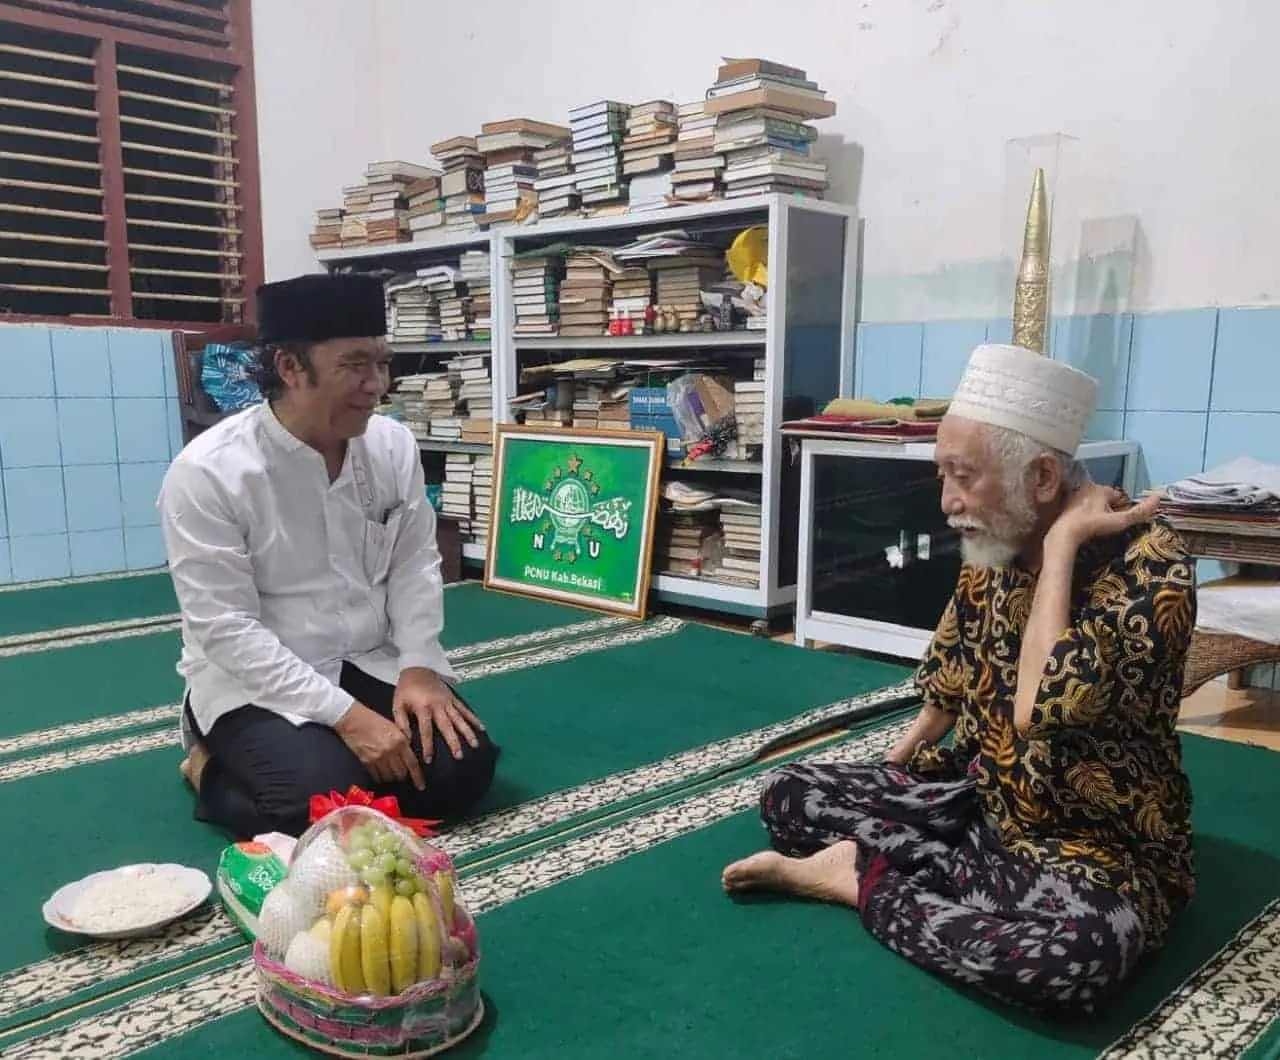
(358, 911)
(383, 942)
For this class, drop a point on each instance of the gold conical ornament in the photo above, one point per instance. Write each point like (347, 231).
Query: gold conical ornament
(1031, 294)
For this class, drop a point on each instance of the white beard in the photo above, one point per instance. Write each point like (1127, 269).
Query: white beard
(997, 541)
(985, 550)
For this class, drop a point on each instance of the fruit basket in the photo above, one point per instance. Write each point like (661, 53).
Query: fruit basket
(366, 948)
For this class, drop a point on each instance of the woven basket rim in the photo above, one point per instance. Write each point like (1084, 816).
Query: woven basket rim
(335, 1050)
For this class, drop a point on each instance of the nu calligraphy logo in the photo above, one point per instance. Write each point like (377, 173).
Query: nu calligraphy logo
(570, 518)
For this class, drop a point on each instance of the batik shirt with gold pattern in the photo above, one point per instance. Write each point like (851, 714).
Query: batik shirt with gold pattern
(1095, 786)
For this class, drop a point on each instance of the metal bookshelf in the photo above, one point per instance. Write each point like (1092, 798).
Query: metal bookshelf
(807, 346)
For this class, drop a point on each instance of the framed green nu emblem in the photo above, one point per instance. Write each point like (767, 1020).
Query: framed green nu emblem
(573, 515)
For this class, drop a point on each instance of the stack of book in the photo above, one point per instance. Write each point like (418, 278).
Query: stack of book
(554, 183)
(462, 184)
(585, 293)
(632, 288)
(650, 144)
(481, 497)
(473, 392)
(535, 282)
(426, 207)
(533, 408)
(356, 202)
(440, 400)
(455, 492)
(748, 414)
(698, 166)
(686, 542)
(740, 534)
(405, 402)
(761, 108)
(508, 147)
(327, 233)
(414, 313)
(597, 130)
(474, 269)
(680, 280)
(454, 310)
(615, 408)
(587, 396)
(387, 218)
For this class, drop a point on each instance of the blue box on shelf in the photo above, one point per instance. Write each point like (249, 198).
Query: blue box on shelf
(648, 410)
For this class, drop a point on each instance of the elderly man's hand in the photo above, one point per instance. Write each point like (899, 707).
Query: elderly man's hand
(1095, 511)
(423, 696)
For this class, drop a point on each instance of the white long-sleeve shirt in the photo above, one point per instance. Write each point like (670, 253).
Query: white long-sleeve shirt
(281, 575)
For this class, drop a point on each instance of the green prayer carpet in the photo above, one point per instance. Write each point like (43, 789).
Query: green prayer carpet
(567, 722)
(646, 957)
(649, 958)
(61, 685)
(562, 723)
(87, 603)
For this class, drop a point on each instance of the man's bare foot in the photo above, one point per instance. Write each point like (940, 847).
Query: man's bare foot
(830, 875)
(192, 768)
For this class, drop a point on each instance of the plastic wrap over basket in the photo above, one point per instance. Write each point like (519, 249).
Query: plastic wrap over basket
(366, 948)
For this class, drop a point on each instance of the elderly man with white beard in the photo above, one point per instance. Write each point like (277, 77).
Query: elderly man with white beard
(1038, 855)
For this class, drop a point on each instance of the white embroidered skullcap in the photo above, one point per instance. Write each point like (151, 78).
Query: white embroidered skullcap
(1026, 392)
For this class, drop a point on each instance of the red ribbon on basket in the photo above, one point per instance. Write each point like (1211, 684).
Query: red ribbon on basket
(384, 804)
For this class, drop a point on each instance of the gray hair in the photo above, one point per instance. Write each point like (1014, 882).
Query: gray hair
(1015, 452)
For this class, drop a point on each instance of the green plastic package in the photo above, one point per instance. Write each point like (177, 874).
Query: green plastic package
(247, 872)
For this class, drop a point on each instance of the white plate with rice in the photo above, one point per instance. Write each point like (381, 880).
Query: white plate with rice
(127, 902)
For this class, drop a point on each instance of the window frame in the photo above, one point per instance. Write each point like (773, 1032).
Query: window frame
(108, 37)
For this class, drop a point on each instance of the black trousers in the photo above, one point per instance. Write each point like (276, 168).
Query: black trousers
(263, 769)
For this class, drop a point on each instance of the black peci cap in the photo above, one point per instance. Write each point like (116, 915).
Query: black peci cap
(317, 307)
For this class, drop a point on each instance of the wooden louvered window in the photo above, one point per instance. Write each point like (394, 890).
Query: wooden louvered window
(128, 161)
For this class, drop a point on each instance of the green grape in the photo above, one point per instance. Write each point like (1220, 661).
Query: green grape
(386, 843)
(360, 860)
(386, 864)
(404, 868)
(371, 877)
(406, 888)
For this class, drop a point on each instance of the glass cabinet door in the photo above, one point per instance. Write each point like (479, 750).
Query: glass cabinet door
(882, 549)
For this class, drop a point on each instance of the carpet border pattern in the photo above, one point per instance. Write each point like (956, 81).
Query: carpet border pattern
(1222, 1009)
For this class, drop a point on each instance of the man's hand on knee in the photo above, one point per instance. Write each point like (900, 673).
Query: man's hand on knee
(383, 748)
(423, 697)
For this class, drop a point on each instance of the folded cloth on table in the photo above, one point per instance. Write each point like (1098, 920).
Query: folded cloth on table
(862, 409)
(1241, 483)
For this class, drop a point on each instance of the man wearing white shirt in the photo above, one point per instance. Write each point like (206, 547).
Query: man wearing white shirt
(303, 552)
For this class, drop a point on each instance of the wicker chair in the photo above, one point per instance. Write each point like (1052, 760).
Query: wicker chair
(1214, 654)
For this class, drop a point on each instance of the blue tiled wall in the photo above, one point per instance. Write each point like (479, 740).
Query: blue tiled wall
(1195, 388)
(88, 424)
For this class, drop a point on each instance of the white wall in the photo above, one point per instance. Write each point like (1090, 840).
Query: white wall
(1168, 193)
(316, 70)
